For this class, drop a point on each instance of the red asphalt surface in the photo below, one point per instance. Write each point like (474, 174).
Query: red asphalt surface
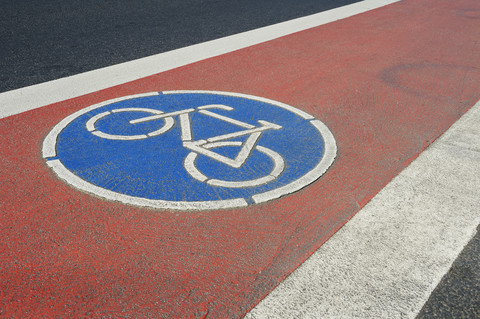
(387, 83)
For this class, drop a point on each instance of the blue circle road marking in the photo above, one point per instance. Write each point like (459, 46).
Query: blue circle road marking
(190, 149)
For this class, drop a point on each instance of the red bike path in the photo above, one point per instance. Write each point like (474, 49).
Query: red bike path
(387, 83)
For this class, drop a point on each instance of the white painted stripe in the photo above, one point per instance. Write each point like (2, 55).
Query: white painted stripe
(31, 97)
(196, 147)
(169, 123)
(90, 125)
(246, 149)
(189, 164)
(64, 174)
(186, 128)
(120, 137)
(386, 261)
(160, 116)
(227, 119)
(137, 109)
(49, 143)
(215, 106)
(241, 184)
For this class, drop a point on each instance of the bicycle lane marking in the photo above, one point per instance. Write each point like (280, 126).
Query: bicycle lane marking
(382, 106)
(249, 176)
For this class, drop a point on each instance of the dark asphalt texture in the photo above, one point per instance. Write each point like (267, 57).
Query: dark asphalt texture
(50, 39)
(458, 294)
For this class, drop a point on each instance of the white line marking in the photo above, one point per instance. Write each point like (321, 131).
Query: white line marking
(169, 123)
(31, 97)
(278, 163)
(266, 126)
(50, 141)
(216, 106)
(79, 183)
(160, 116)
(247, 148)
(189, 164)
(119, 137)
(279, 166)
(310, 177)
(90, 125)
(386, 261)
(226, 119)
(241, 184)
(137, 109)
(204, 150)
(185, 127)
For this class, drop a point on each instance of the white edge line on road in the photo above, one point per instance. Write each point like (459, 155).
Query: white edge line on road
(35, 96)
(386, 261)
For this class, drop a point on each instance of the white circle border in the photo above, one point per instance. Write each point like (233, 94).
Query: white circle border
(50, 142)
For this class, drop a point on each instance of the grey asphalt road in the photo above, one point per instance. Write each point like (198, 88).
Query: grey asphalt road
(47, 40)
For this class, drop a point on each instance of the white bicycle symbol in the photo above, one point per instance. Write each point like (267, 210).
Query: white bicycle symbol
(204, 146)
